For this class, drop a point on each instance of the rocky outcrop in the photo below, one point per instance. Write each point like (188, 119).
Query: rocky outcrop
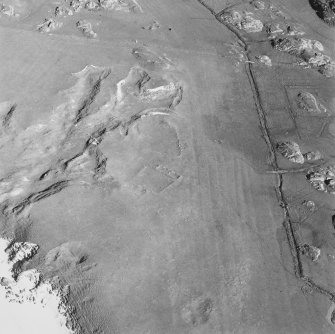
(309, 52)
(244, 21)
(63, 11)
(12, 256)
(49, 25)
(143, 91)
(312, 156)
(322, 178)
(7, 10)
(325, 9)
(309, 103)
(68, 8)
(86, 28)
(92, 5)
(260, 5)
(291, 151)
(275, 29)
(96, 5)
(152, 26)
(323, 63)
(297, 46)
(127, 5)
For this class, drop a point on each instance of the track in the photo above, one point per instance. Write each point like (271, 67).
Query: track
(290, 231)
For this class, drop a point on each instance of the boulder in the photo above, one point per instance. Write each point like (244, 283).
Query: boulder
(264, 60)
(311, 252)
